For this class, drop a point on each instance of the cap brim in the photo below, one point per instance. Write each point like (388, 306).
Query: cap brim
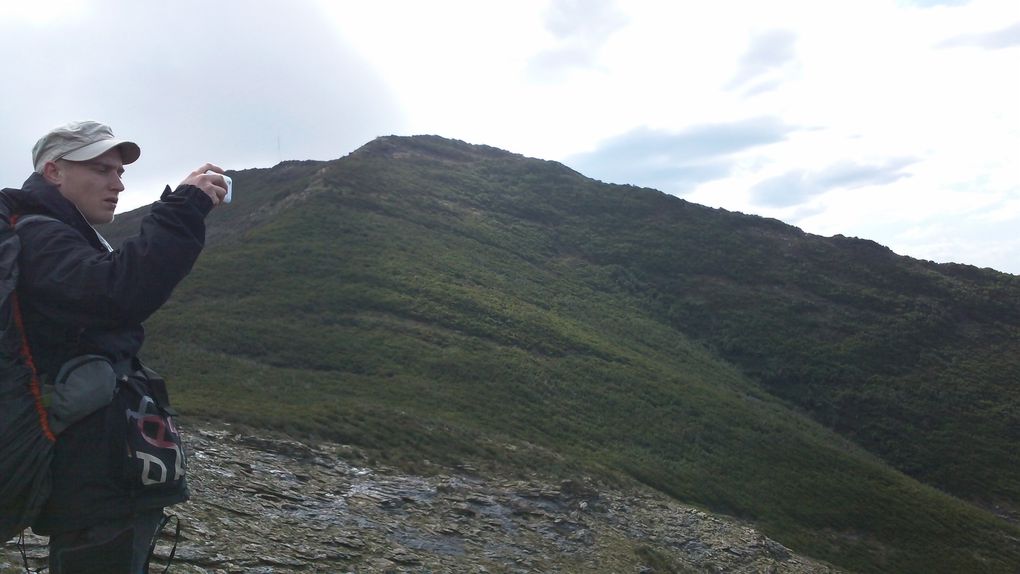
(129, 151)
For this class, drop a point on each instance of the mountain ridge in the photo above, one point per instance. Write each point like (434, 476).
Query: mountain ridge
(422, 281)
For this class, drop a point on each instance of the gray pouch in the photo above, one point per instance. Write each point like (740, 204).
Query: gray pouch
(83, 385)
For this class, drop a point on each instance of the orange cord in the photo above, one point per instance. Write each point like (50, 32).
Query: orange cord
(26, 353)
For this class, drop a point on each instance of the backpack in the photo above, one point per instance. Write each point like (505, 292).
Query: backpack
(26, 440)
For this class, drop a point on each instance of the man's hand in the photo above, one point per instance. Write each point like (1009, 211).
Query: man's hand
(211, 183)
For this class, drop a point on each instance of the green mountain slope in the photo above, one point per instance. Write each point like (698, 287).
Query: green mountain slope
(441, 303)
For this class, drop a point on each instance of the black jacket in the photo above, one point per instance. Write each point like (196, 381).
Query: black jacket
(77, 297)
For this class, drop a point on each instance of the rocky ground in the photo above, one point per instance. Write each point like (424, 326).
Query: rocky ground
(269, 505)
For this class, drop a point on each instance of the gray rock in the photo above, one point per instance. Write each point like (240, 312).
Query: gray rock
(262, 504)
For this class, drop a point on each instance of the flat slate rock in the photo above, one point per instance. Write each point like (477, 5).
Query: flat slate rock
(267, 505)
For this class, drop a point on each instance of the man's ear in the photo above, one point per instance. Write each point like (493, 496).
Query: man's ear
(53, 173)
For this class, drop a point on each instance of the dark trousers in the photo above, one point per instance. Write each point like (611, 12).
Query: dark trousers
(116, 547)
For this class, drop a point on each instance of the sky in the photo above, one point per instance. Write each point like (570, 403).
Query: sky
(895, 120)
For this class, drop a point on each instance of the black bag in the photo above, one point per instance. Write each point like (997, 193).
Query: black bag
(143, 435)
(26, 441)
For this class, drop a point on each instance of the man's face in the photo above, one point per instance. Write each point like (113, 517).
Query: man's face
(93, 185)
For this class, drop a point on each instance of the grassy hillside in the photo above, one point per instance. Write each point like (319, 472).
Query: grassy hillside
(443, 303)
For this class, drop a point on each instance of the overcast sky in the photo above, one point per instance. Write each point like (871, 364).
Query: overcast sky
(895, 120)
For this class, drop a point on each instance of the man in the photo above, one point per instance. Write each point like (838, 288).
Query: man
(79, 298)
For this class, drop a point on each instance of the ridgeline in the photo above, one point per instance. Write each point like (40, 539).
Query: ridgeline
(439, 304)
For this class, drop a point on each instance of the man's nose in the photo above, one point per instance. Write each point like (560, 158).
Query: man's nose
(118, 183)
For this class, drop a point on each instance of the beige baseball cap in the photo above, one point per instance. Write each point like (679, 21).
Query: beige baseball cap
(80, 141)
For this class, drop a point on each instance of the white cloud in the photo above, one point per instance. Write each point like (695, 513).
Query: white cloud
(795, 187)
(245, 85)
(677, 162)
(581, 27)
(1008, 37)
(769, 52)
(40, 12)
(624, 90)
(933, 3)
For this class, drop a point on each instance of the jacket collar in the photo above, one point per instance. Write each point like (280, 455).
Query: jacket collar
(38, 196)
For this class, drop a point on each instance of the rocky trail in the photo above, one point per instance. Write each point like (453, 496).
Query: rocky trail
(266, 505)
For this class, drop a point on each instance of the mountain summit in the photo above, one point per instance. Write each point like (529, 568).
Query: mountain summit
(441, 304)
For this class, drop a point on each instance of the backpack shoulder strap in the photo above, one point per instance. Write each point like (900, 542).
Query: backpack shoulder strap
(21, 220)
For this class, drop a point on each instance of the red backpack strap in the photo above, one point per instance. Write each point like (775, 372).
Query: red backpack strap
(26, 353)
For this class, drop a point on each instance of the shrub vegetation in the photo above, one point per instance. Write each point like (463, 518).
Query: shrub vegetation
(438, 303)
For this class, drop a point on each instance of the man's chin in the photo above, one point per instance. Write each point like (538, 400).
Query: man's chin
(106, 218)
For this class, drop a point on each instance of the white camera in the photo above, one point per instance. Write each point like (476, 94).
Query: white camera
(229, 182)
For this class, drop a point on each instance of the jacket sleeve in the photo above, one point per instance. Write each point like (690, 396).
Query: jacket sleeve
(68, 280)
